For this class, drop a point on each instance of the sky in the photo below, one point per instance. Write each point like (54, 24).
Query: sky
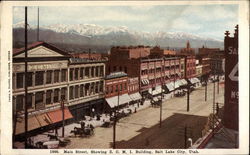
(203, 20)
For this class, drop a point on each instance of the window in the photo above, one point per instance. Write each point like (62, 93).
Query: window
(120, 68)
(71, 92)
(81, 73)
(81, 90)
(92, 88)
(125, 86)
(19, 103)
(120, 87)
(39, 78)
(56, 76)
(29, 79)
(116, 88)
(102, 70)
(125, 69)
(87, 89)
(48, 77)
(97, 71)
(63, 75)
(87, 72)
(101, 86)
(48, 96)
(114, 68)
(63, 93)
(92, 71)
(20, 80)
(76, 91)
(111, 89)
(76, 73)
(71, 72)
(56, 95)
(96, 87)
(39, 100)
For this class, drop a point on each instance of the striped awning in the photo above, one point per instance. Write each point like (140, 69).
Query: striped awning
(113, 101)
(135, 96)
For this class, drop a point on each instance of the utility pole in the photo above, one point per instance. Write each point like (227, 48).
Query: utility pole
(26, 82)
(218, 83)
(185, 136)
(38, 24)
(188, 93)
(115, 121)
(213, 103)
(206, 90)
(161, 103)
(63, 118)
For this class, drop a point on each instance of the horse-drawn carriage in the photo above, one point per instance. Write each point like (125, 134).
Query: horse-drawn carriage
(83, 130)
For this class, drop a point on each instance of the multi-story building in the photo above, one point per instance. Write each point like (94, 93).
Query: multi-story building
(152, 70)
(86, 86)
(116, 93)
(217, 65)
(54, 79)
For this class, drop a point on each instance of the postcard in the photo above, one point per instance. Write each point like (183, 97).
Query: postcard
(124, 77)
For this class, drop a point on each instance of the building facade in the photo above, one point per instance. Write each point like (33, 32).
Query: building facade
(54, 79)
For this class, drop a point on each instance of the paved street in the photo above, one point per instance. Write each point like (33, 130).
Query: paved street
(141, 129)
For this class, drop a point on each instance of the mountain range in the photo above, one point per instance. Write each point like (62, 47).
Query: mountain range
(81, 37)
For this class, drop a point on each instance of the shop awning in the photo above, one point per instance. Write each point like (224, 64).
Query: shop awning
(145, 81)
(113, 101)
(56, 116)
(170, 86)
(194, 80)
(184, 82)
(135, 96)
(43, 119)
(32, 124)
(177, 84)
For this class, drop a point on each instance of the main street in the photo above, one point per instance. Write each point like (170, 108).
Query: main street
(141, 129)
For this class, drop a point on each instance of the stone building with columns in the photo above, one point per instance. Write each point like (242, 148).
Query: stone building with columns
(54, 77)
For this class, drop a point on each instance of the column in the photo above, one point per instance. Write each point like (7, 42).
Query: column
(59, 95)
(83, 90)
(66, 95)
(44, 98)
(33, 100)
(14, 103)
(83, 74)
(67, 75)
(99, 71)
(52, 77)
(60, 74)
(52, 96)
(33, 78)
(95, 71)
(79, 87)
(73, 77)
(99, 84)
(79, 70)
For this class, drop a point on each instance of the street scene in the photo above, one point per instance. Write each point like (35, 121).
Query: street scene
(141, 129)
(122, 77)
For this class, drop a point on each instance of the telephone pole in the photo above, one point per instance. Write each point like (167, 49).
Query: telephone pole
(26, 81)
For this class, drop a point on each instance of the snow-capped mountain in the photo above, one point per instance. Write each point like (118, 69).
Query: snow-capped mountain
(91, 34)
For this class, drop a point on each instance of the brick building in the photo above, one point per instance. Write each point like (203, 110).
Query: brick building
(188, 50)
(116, 94)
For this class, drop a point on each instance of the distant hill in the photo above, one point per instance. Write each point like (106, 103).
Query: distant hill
(81, 37)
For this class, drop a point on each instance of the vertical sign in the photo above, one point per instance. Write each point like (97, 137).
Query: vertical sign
(231, 112)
